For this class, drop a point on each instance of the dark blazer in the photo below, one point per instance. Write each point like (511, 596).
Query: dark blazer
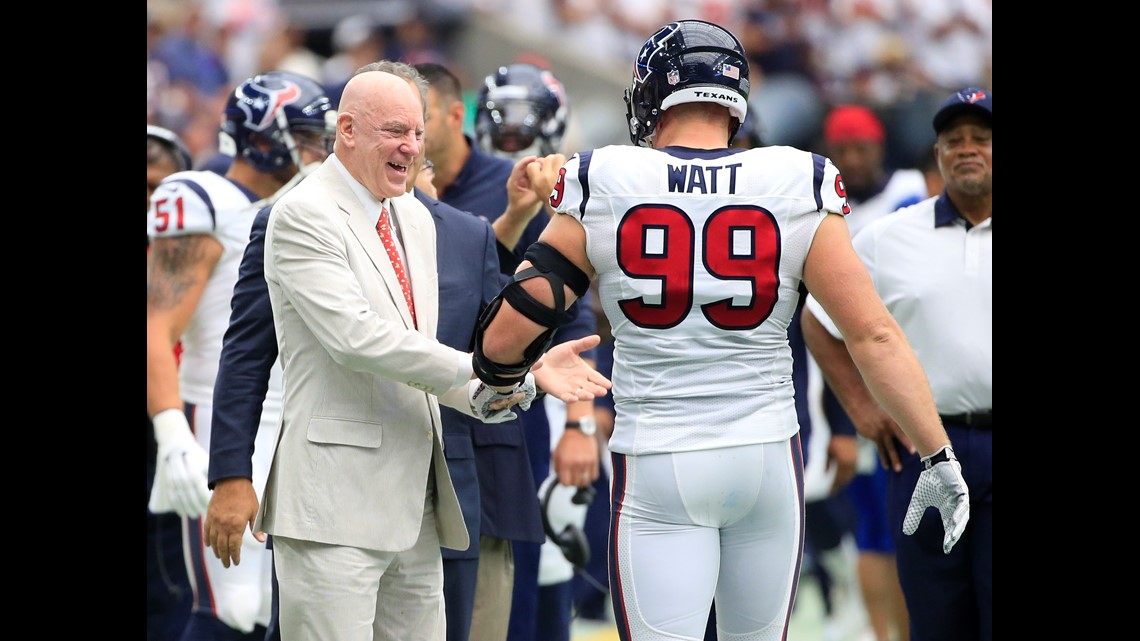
(249, 350)
(468, 268)
(496, 454)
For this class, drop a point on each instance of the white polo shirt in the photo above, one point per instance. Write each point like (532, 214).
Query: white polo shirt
(934, 272)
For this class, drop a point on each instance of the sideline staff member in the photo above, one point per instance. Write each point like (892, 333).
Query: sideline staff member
(932, 264)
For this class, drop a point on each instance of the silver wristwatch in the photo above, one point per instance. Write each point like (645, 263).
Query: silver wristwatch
(587, 425)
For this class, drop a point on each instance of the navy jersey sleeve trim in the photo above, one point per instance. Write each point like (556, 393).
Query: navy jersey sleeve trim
(584, 178)
(818, 163)
(198, 189)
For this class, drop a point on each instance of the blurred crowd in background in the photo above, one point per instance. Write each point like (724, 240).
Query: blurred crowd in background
(898, 57)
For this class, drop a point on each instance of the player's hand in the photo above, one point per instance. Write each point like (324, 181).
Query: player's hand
(232, 509)
(529, 390)
(940, 485)
(493, 406)
(543, 174)
(522, 199)
(180, 477)
(566, 376)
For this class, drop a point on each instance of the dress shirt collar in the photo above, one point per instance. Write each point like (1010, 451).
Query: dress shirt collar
(371, 204)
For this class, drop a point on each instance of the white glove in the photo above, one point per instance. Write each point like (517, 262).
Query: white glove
(481, 397)
(181, 482)
(529, 390)
(940, 485)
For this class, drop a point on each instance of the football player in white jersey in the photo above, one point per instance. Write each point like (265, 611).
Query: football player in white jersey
(199, 224)
(701, 252)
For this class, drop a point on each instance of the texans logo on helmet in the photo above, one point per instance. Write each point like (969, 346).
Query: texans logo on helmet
(972, 97)
(656, 44)
(261, 107)
(554, 86)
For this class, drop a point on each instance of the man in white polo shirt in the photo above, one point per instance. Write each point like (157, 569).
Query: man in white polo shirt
(932, 264)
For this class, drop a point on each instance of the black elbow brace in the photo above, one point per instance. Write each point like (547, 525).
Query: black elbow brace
(547, 263)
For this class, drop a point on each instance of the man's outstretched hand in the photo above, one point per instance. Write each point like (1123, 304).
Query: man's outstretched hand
(563, 373)
(493, 405)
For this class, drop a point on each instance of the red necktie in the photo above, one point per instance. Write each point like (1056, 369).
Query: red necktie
(384, 228)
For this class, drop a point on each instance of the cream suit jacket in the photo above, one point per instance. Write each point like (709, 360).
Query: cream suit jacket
(360, 428)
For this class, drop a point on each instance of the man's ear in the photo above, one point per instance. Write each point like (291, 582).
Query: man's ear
(345, 127)
(457, 113)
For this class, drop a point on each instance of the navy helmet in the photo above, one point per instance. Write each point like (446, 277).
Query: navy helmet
(686, 61)
(521, 110)
(264, 112)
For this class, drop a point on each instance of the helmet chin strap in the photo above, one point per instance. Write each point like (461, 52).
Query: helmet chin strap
(305, 171)
(290, 142)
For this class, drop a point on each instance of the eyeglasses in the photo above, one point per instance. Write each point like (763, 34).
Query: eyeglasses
(428, 165)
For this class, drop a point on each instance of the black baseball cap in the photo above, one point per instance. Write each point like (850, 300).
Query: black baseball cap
(970, 99)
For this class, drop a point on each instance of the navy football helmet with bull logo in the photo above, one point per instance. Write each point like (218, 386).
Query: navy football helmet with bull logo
(264, 112)
(686, 61)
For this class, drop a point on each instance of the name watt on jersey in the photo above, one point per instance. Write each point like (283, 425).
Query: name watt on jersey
(702, 179)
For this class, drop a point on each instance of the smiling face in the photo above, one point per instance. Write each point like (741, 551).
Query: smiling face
(380, 131)
(965, 155)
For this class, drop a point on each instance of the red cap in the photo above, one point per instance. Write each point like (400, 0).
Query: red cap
(852, 122)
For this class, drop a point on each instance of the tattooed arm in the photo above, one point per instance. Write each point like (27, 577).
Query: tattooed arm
(177, 270)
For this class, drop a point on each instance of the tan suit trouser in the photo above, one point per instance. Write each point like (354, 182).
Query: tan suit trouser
(494, 590)
(352, 594)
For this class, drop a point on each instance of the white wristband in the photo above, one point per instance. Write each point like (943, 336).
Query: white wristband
(169, 424)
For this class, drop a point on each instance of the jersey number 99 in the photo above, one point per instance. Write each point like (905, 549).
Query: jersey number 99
(739, 243)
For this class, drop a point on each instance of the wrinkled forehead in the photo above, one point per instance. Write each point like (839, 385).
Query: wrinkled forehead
(395, 108)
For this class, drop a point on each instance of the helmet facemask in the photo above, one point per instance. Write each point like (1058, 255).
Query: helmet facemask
(522, 110)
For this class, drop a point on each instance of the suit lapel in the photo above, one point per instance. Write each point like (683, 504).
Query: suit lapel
(361, 226)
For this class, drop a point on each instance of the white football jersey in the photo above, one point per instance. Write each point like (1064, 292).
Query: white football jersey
(700, 256)
(203, 202)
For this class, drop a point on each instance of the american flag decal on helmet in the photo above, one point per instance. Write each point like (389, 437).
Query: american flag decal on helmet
(730, 71)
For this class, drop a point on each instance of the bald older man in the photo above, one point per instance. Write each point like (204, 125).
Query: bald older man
(359, 499)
